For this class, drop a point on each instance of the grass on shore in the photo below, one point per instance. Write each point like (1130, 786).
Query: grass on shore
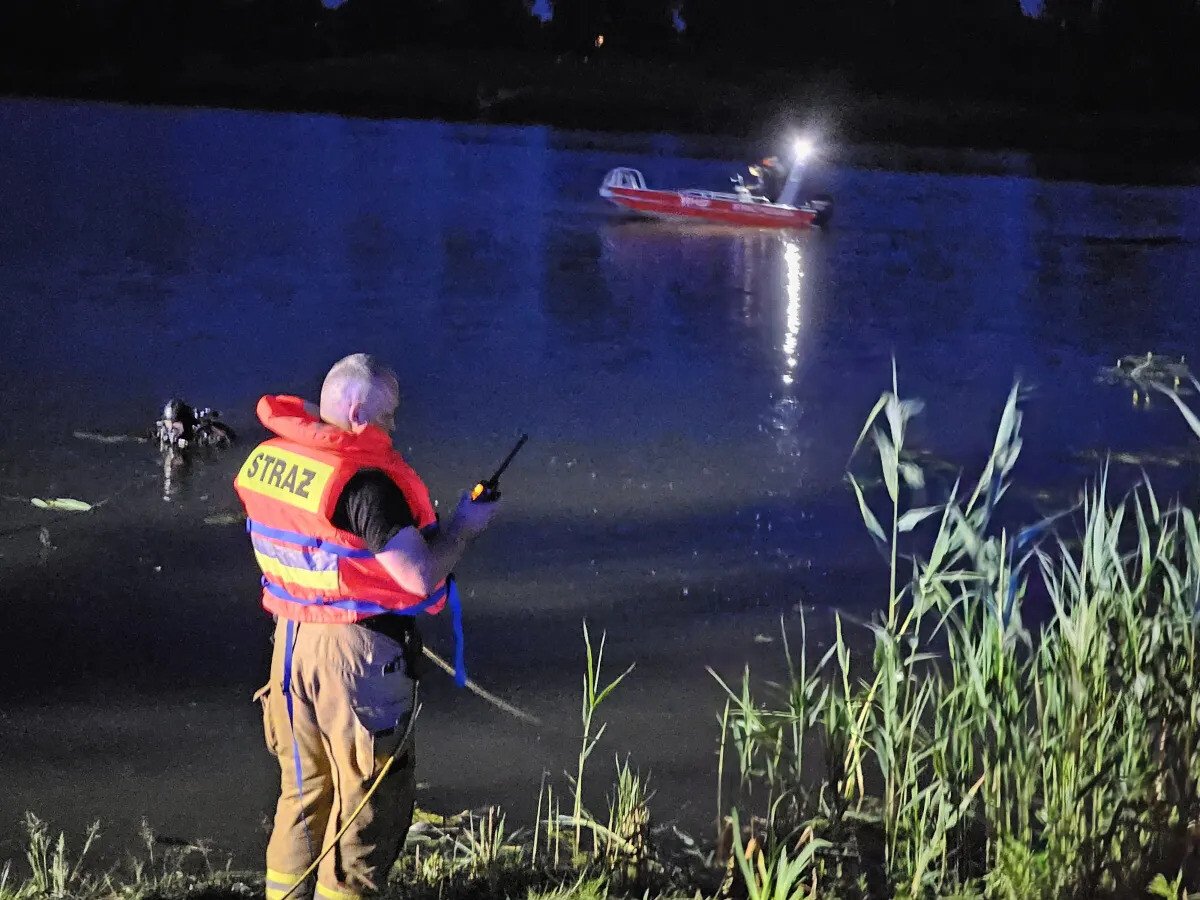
(967, 752)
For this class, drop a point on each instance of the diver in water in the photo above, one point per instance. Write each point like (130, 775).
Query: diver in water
(181, 432)
(184, 428)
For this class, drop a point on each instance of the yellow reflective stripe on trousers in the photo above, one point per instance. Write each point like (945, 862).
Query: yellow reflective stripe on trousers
(283, 877)
(334, 893)
(279, 883)
(279, 573)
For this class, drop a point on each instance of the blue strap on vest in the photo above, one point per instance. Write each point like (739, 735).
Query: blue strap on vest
(290, 645)
(460, 656)
(449, 593)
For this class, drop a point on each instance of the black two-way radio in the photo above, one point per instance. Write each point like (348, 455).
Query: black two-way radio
(486, 491)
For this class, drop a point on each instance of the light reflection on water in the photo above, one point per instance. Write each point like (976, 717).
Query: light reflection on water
(794, 272)
(787, 410)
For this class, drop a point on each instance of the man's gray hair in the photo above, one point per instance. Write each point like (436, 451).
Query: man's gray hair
(359, 378)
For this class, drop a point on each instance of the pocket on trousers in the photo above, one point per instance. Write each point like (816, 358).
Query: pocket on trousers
(263, 698)
(382, 701)
(372, 751)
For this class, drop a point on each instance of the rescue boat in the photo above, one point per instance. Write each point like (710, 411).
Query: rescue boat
(626, 188)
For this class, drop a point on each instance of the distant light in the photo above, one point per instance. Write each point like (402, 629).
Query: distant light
(599, 40)
(803, 148)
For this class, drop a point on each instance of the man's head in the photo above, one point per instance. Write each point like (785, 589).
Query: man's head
(360, 391)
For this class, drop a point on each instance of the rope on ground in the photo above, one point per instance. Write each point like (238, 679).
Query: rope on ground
(486, 695)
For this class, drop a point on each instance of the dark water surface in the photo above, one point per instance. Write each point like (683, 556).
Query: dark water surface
(691, 396)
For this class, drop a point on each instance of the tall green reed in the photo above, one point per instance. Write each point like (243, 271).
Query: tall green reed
(991, 759)
(594, 693)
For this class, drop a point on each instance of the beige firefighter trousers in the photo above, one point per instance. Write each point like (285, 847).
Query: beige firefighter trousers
(351, 703)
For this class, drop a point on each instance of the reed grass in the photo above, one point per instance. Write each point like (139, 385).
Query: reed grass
(1002, 763)
(594, 694)
(54, 870)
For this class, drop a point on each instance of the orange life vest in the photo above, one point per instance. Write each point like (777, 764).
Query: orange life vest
(290, 484)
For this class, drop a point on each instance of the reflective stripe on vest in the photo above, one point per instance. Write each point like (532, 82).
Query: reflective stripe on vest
(304, 564)
(304, 541)
(296, 560)
(302, 551)
(312, 570)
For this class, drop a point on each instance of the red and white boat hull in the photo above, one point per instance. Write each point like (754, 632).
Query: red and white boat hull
(626, 188)
(682, 206)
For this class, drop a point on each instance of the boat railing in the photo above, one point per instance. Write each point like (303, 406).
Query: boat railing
(719, 195)
(630, 179)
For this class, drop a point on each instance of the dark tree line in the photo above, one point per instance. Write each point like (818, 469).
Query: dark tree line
(1137, 53)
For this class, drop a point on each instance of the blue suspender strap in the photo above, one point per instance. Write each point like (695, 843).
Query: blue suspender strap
(449, 593)
(292, 628)
(460, 656)
(287, 666)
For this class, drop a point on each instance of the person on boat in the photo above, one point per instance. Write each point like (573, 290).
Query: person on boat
(350, 549)
(769, 177)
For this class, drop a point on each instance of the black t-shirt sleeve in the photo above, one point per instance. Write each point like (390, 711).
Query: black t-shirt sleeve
(373, 508)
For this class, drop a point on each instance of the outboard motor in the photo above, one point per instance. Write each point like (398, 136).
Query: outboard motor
(823, 204)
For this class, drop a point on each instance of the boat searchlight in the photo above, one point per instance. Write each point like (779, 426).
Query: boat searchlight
(802, 149)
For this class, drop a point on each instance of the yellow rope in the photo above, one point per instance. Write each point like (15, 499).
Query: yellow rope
(475, 689)
(362, 803)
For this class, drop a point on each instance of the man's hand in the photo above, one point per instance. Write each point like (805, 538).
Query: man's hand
(472, 518)
(418, 565)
